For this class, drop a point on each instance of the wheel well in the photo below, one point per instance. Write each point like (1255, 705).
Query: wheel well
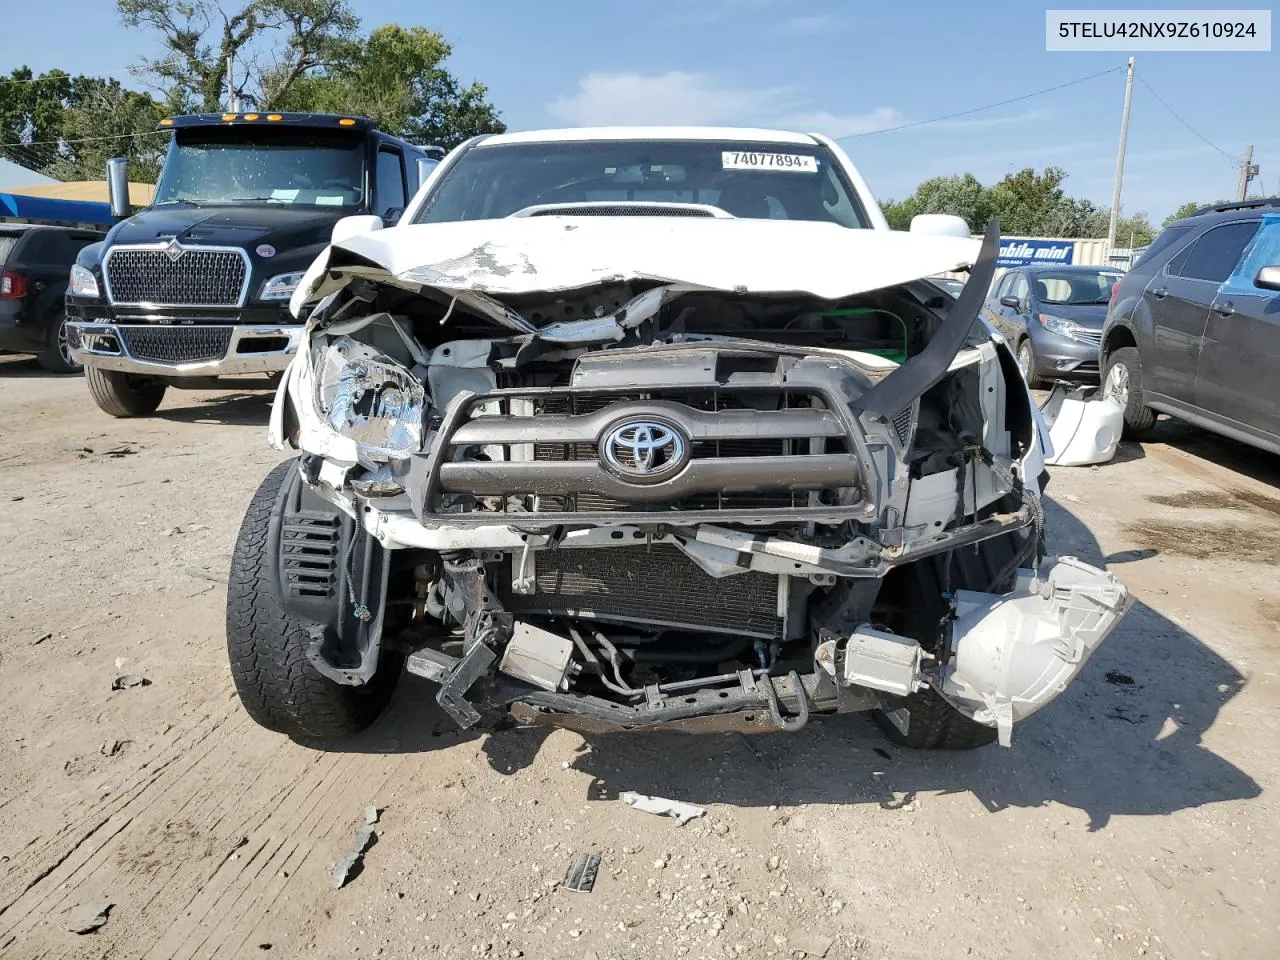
(1118, 337)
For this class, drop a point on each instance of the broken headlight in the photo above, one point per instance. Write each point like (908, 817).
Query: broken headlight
(370, 398)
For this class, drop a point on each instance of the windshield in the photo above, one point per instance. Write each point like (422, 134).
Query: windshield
(1075, 289)
(240, 165)
(752, 180)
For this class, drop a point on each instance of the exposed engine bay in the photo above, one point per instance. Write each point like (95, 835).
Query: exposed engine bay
(639, 502)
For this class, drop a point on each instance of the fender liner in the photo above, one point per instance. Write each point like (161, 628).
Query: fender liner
(332, 576)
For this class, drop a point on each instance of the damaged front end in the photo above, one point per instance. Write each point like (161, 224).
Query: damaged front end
(636, 500)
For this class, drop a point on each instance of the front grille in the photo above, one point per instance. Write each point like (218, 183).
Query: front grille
(198, 278)
(654, 585)
(747, 449)
(1089, 336)
(176, 344)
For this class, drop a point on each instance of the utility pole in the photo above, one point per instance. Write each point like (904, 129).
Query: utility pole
(1248, 170)
(1124, 137)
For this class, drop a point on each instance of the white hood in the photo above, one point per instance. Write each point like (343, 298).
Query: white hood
(522, 255)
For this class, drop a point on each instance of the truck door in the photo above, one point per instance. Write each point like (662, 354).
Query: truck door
(389, 191)
(1239, 374)
(1178, 298)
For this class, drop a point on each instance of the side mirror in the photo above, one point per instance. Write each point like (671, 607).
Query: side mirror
(1009, 302)
(940, 224)
(391, 216)
(1268, 278)
(118, 188)
(355, 226)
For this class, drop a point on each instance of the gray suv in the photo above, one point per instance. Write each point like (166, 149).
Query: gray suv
(1194, 329)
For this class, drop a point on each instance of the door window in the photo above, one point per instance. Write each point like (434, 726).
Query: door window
(390, 176)
(1019, 289)
(1213, 256)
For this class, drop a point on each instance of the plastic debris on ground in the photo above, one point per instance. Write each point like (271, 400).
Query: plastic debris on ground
(1084, 426)
(581, 876)
(681, 811)
(346, 868)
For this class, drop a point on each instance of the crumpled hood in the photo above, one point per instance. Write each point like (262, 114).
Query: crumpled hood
(523, 255)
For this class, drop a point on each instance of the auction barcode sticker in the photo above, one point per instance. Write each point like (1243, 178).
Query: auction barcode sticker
(794, 162)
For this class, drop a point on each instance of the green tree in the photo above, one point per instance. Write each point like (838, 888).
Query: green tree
(66, 127)
(1027, 202)
(1184, 210)
(961, 195)
(309, 55)
(395, 76)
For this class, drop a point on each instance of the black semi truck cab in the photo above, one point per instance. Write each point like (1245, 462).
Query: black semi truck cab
(196, 287)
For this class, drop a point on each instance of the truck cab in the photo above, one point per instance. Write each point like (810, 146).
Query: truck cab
(195, 288)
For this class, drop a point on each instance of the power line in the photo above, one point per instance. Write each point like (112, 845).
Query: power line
(1234, 161)
(989, 106)
(117, 136)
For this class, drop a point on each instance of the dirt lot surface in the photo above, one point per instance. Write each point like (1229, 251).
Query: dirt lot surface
(1135, 817)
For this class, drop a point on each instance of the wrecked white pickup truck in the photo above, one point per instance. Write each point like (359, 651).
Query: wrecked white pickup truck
(631, 427)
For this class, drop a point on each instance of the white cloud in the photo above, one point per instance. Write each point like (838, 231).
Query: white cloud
(987, 123)
(810, 25)
(675, 97)
(838, 125)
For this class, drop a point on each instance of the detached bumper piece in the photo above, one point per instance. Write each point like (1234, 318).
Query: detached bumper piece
(184, 350)
(1011, 653)
(1015, 653)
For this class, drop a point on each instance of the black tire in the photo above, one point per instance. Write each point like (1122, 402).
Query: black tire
(123, 394)
(1028, 363)
(932, 724)
(277, 684)
(56, 357)
(1138, 417)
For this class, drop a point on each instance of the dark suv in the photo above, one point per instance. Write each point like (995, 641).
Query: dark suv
(1194, 329)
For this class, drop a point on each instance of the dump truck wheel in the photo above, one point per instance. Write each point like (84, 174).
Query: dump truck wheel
(123, 394)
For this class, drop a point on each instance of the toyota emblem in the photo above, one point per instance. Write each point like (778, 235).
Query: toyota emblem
(644, 451)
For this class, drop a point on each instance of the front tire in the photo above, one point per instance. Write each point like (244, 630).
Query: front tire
(1028, 364)
(277, 684)
(1122, 379)
(932, 724)
(123, 394)
(56, 357)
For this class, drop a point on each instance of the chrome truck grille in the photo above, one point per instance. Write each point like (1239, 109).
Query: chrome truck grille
(547, 453)
(160, 344)
(177, 275)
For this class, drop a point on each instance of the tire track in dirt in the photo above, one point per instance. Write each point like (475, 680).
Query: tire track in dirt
(33, 865)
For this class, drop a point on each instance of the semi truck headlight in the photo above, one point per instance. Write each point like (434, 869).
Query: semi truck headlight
(371, 399)
(82, 282)
(281, 286)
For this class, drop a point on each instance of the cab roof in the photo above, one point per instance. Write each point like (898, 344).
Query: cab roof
(581, 134)
(327, 121)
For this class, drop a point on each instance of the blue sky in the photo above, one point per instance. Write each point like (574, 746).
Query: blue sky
(838, 68)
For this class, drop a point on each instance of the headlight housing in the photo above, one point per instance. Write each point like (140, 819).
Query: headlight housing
(1061, 326)
(281, 286)
(82, 282)
(370, 398)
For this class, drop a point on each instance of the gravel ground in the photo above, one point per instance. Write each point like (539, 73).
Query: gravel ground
(1135, 817)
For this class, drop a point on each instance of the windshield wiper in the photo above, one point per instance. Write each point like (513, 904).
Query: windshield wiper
(255, 200)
